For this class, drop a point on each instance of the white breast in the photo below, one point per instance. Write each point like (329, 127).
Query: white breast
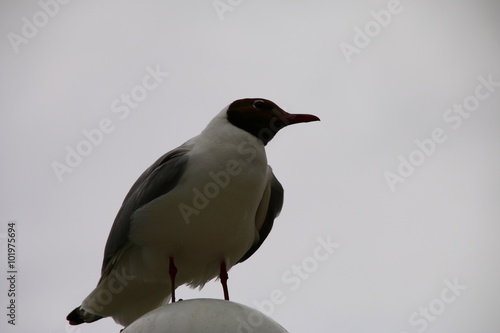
(210, 215)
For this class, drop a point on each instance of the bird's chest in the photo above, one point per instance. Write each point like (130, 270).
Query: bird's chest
(213, 206)
(223, 187)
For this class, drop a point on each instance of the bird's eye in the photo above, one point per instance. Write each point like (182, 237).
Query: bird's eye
(259, 104)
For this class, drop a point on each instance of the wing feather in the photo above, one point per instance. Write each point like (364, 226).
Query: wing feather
(157, 180)
(273, 199)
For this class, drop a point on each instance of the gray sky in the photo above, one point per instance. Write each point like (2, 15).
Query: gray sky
(401, 174)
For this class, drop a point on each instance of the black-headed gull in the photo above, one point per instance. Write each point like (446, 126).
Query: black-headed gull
(196, 212)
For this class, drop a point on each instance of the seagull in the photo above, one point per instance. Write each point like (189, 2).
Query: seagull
(196, 212)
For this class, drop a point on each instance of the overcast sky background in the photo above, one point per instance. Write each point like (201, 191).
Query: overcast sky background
(396, 248)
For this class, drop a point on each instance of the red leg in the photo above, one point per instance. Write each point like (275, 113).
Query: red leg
(172, 271)
(223, 279)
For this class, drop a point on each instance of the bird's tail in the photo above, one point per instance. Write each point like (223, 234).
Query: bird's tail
(79, 316)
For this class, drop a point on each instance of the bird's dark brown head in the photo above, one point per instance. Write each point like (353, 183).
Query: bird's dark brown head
(262, 118)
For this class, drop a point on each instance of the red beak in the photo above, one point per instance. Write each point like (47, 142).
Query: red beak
(300, 118)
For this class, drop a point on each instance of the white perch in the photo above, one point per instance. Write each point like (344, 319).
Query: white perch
(204, 316)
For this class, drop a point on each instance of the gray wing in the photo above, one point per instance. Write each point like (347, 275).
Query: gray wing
(157, 180)
(274, 202)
